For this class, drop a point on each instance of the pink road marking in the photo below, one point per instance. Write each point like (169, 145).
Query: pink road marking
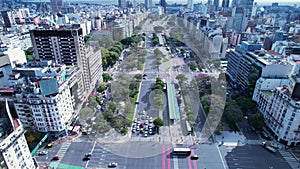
(169, 159)
(195, 164)
(163, 164)
(189, 162)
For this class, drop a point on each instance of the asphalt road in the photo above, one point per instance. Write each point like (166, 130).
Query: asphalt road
(151, 72)
(247, 130)
(255, 157)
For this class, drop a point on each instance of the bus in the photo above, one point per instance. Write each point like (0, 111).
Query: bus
(181, 151)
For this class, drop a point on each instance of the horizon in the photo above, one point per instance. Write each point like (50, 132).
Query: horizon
(259, 2)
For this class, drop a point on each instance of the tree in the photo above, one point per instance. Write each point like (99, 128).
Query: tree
(159, 84)
(193, 66)
(158, 122)
(181, 78)
(232, 114)
(127, 41)
(86, 113)
(256, 121)
(115, 49)
(101, 87)
(106, 77)
(93, 101)
(86, 38)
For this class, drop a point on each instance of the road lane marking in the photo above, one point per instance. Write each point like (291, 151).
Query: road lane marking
(189, 161)
(169, 158)
(194, 161)
(222, 157)
(87, 163)
(163, 164)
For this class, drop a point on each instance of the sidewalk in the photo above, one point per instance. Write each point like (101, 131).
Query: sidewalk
(231, 139)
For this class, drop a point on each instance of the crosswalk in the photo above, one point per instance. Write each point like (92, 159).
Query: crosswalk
(290, 159)
(254, 142)
(62, 151)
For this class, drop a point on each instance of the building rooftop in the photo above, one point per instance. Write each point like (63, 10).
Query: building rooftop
(267, 92)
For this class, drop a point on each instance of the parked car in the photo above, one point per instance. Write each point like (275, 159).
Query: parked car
(112, 165)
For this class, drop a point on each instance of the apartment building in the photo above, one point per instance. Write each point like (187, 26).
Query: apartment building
(43, 97)
(14, 151)
(246, 61)
(65, 45)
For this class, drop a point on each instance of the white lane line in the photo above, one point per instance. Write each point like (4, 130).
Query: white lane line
(87, 163)
(224, 165)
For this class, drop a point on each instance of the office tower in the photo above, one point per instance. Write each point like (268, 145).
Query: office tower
(122, 3)
(163, 3)
(190, 4)
(148, 5)
(14, 151)
(8, 18)
(225, 4)
(66, 45)
(238, 20)
(56, 5)
(242, 61)
(246, 4)
(216, 4)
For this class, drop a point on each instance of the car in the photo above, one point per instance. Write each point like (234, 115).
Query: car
(145, 134)
(144, 75)
(88, 155)
(85, 158)
(112, 165)
(49, 145)
(144, 78)
(41, 153)
(55, 158)
(194, 157)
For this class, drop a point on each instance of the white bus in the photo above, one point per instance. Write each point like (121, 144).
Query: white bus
(182, 151)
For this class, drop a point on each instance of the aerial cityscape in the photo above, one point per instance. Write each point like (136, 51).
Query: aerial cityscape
(149, 84)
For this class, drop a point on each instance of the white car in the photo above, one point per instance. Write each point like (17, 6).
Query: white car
(112, 165)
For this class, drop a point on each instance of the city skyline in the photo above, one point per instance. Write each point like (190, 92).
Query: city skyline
(115, 2)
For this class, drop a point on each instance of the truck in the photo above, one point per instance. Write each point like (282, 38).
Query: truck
(269, 147)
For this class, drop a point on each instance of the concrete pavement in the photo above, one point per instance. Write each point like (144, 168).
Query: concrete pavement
(233, 139)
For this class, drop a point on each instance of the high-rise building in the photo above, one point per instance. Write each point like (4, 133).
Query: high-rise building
(8, 18)
(225, 4)
(216, 4)
(238, 20)
(246, 4)
(56, 5)
(122, 3)
(14, 151)
(242, 61)
(163, 3)
(148, 5)
(66, 45)
(190, 4)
